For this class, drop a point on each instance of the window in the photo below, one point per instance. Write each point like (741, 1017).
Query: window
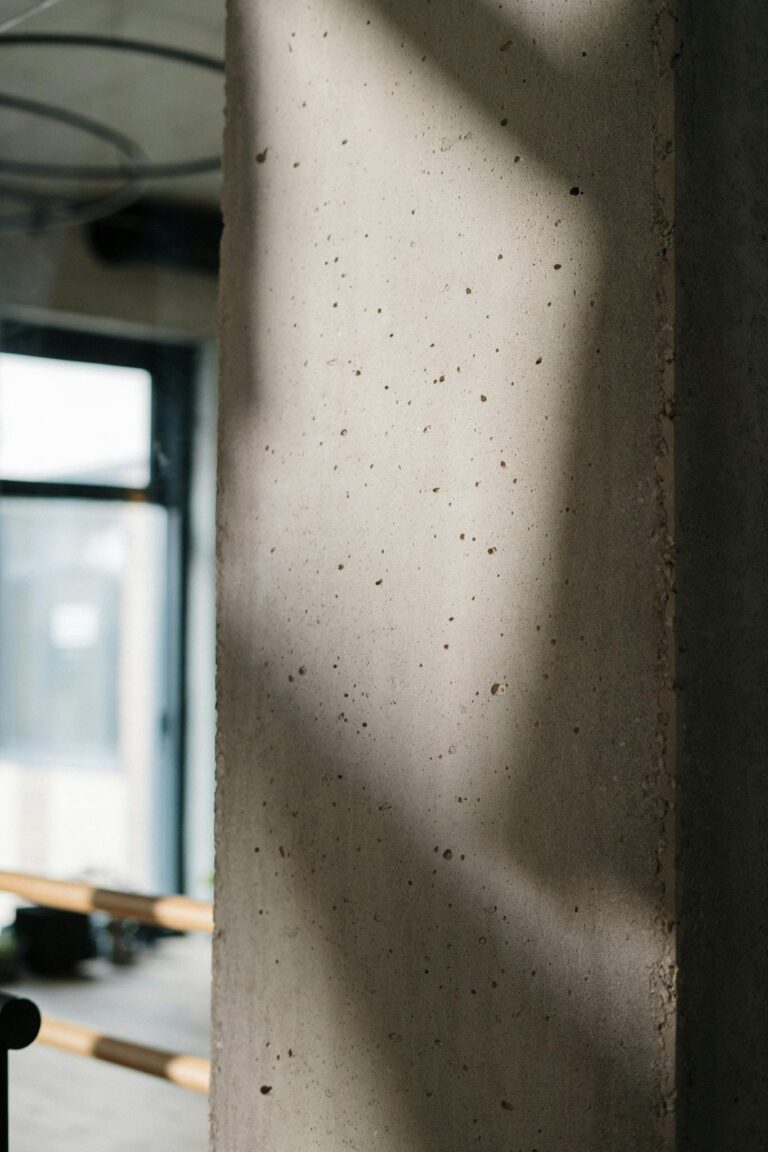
(69, 421)
(94, 436)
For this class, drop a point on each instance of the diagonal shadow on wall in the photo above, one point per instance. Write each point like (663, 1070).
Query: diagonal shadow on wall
(475, 1015)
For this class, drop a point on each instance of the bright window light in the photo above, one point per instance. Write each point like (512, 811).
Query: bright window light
(62, 421)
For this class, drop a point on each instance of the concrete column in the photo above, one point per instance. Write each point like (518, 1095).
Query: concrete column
(444, 913)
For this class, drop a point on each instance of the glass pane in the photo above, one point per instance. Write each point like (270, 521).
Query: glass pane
(82, 611)
(70, 422)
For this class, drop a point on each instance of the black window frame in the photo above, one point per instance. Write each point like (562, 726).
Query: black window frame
(172, 367)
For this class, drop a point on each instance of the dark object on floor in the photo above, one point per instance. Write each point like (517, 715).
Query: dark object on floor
(53, 942)
(149, 934)
(9, 957)
(124, 943)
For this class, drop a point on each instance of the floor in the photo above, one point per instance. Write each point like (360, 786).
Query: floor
(65, 1103)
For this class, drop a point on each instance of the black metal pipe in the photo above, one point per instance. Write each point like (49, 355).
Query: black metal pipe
(19, 1026)
(3, 1100)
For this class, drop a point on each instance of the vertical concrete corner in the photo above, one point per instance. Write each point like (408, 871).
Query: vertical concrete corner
(444, 897)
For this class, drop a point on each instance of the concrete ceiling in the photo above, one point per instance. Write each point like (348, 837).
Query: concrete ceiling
(173, 112)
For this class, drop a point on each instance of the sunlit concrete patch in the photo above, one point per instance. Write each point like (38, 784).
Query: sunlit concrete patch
(439, 909)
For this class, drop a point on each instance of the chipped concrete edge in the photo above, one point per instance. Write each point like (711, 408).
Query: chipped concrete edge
(663, 981)
(227, 274)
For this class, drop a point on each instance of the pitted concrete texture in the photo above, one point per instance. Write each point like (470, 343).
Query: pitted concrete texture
(443, 911)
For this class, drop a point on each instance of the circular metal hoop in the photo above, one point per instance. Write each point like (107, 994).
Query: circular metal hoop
(50, 209)
(138, 169)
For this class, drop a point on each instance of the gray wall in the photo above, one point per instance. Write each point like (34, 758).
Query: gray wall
(721, 434)
(444, 912)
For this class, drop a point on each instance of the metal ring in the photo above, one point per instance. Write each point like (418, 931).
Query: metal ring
(141, 170)
(54, 212)
(52, 209)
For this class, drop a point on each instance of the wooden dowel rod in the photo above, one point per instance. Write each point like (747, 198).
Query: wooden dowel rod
(177, 912)
(192, 1072)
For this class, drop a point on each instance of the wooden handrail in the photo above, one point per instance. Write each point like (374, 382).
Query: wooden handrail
(192, 1072)
(176, 912)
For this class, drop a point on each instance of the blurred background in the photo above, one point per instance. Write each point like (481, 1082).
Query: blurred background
(111, 116)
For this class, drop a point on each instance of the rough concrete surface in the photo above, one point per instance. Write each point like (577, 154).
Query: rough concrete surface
(443, 910)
